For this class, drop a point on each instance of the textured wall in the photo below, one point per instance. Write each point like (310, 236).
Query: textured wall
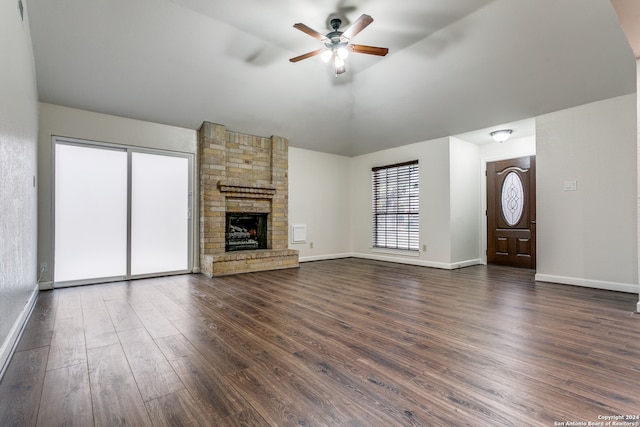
(18, 135)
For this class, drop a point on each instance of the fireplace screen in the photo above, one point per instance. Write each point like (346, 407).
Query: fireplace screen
(246, 231)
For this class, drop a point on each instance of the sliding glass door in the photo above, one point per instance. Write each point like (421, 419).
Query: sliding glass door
(120, 212)
(159, 214)
(90, 213)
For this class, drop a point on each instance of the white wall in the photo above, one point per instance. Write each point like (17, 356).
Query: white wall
(18, 134)
(69, 122)
(638, 168)
(319, 197)
(464, 169)
(510, 149)
(588, 237)
(450, 198)
(433, 159)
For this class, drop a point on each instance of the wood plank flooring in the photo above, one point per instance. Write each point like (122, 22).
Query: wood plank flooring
(334, 343)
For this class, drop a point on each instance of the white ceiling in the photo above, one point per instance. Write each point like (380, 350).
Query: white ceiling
(454, 66)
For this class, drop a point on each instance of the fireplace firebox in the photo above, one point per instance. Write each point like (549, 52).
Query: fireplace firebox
(246, 231)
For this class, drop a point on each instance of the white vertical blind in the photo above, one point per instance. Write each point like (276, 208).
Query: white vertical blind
(396, 206)
(90, 213)
(159, 213)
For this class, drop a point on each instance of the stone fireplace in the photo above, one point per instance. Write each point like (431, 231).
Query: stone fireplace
(243, 202)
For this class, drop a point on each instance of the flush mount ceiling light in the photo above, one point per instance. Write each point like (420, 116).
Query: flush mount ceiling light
(501, 135)
(336, 42)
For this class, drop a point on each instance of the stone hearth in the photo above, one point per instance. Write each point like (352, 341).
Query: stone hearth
(242, 174)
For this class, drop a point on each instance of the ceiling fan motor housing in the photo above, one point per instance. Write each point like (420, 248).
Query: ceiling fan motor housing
(335, 36)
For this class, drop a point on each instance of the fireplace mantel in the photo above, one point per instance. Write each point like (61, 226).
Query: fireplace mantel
(248, 190)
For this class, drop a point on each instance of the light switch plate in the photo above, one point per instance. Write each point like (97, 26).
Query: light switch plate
(570, 185)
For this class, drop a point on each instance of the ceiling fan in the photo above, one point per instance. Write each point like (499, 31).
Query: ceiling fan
(336, 42)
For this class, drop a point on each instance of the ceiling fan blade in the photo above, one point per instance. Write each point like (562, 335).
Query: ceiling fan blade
(370, 50)
(307, 55)
(359, 25)
(308, 30)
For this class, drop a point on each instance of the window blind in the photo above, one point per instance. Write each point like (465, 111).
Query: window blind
(396, 206)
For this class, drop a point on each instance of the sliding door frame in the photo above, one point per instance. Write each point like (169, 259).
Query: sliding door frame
(129, 150)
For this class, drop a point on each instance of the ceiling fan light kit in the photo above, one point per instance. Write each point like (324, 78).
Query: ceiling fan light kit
(337, 43)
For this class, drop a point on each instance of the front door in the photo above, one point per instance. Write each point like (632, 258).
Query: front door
(511, 212)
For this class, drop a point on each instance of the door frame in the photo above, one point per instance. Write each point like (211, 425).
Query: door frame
(483, 197)
(128, 149)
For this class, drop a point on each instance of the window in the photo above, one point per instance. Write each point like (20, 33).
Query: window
(395, 206)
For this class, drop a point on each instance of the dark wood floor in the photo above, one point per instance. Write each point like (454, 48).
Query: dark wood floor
(345, 342)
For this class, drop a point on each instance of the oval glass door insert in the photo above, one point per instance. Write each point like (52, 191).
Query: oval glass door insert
(512, 199)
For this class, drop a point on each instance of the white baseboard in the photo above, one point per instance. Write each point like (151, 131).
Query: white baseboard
(419, 262)
(325, 257)
(45, 286)
(467, 263)
(588, 283)
(381, 256)
(9, 344)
